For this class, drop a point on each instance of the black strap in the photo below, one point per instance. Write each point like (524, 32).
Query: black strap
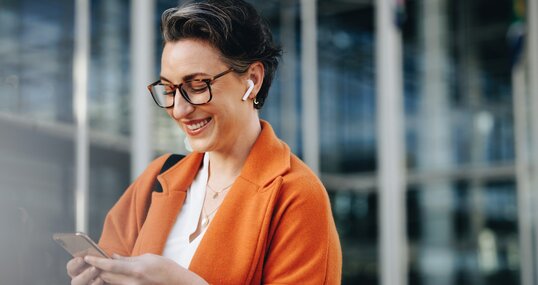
(170, 161)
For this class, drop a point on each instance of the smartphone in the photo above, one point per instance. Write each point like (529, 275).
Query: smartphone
(79, 244)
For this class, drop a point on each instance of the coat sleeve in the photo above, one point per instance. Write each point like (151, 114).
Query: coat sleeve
(304, 247)
(124, 221)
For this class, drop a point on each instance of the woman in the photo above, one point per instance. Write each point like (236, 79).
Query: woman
(240, 209)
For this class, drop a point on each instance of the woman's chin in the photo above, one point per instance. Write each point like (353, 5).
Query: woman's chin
(198, 146)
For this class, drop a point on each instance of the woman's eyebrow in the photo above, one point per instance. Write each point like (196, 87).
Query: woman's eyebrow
(164, 78)
(194, 75)
(187, 77)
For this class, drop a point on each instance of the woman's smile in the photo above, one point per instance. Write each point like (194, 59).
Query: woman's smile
(195, 127)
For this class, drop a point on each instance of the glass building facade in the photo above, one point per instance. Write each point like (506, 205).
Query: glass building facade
(464, 218)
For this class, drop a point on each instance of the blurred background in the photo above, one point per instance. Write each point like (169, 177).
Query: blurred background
(468, 129)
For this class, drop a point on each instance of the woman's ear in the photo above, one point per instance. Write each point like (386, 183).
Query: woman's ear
(256, 72)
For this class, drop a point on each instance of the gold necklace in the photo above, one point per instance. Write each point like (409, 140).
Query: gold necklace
(207, 217)
(216, 193)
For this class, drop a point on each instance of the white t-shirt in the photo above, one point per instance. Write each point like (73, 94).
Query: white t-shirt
(177, 247)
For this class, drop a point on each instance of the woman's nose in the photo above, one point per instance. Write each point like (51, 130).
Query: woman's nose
(181, 106)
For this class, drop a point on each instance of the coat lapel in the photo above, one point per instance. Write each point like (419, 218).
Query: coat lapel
(166, 205)
(235, 241)
(232, 245)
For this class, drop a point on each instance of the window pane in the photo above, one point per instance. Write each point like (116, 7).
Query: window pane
(36, 59)
(355, 214)
(109, 88)
(457, 84)
(347, 86)
(463, 232)
(459, 132)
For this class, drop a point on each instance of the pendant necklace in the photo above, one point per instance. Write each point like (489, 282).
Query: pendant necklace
(206, 216)
(216, 193)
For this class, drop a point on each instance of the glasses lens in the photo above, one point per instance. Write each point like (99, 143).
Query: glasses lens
(197, 91)
(163, 94)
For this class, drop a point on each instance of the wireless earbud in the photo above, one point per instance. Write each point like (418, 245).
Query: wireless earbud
(250, 87)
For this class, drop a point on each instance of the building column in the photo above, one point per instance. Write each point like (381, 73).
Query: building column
(435, 250)
(522, 161)
(471, 91)
(390, 147)
(309, 85)
(143, 67)
(80, 107)
(532, 56)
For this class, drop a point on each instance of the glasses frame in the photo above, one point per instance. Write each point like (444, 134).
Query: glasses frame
(183, 93)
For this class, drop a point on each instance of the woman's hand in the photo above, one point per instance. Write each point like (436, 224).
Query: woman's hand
(82, 274)
(144, 269)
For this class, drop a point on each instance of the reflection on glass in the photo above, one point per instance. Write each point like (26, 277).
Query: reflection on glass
(36, 47)
(459, 113)
(346, 82)
(462, 229)
(36, 123)
(356, 221)
(466, 233)
(457, 84)
(109, 94)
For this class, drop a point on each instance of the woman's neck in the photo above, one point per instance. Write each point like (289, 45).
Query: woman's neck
(225, 166)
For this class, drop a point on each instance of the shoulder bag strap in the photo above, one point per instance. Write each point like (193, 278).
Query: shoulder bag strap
(170, 161)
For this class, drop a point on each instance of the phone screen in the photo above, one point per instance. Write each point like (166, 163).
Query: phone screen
(79, 244)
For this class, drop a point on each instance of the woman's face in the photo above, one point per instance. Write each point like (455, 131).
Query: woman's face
(217, 125)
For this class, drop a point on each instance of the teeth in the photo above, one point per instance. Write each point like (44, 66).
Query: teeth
(196, 126)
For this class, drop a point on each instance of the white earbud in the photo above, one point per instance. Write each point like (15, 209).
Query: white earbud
(250, 87)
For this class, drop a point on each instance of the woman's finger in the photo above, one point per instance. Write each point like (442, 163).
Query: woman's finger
(116, 256)
(124, 258)
(114, 278)
(86, 277)
(76, 266)
(109, 265)
(98, 281)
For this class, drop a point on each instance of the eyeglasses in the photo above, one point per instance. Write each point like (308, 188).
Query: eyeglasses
(194, 91)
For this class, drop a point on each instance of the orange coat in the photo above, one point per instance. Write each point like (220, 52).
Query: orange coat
(275, 225)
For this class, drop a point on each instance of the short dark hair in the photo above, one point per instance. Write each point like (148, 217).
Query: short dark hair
(234, 27)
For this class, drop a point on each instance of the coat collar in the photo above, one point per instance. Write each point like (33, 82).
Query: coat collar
(268, 159)
(236, 233)
(231, 249)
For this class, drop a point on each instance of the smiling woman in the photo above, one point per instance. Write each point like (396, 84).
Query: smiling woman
(212, 127)
(240, 209)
